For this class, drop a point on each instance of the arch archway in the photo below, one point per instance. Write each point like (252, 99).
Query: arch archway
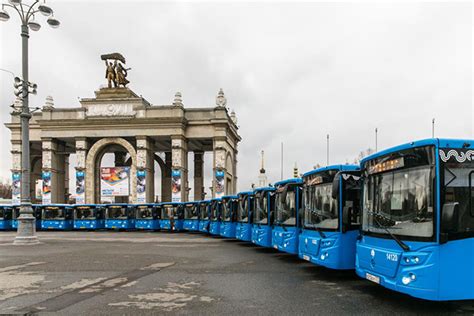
(93, 159)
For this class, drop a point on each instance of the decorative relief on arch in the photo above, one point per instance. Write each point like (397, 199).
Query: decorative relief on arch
(220, 158)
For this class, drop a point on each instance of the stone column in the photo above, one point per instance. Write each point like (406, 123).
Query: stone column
(145, 170)
(80, 190)
(166, 179)
(179, 154)
(53, 171)
(198, 175)
(219, 159)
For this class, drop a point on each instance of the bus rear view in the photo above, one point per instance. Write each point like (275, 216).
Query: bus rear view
(418, 219)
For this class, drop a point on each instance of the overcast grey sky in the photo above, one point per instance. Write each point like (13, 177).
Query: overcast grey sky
(293, 72)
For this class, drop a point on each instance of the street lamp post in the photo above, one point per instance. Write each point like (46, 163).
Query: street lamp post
(26, 233)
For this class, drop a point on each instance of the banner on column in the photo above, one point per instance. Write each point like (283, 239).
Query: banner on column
(141, 186)
(220, 187)
(80, 187)
(176, 185)
(16, 188)
(46, 176)
(39, 189)
(114, 181)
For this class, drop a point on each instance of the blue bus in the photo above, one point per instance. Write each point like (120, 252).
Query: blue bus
(119, 216)
(6, 217)
(191, 216)
(230, 203)
(36, 214)
(147, 216)
(243, 230)
(331, 213)
(287, 224)
(216, 208)
(418, 219)
(56, 216)
(204, 216)
(172, 216)
(89, 216)
(263, 216)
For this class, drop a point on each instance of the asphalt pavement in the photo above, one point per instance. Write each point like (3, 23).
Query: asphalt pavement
(134, 273)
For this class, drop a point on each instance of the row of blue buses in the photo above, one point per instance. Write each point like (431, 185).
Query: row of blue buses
(403, 218)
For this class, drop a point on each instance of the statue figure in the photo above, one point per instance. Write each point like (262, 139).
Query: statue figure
(115, 72)
(110, 74)
(121, 75)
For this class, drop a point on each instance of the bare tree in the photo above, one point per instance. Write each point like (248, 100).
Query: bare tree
(5, 190)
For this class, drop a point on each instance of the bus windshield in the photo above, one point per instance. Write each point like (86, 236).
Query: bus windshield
(400, 201)
(169, 211)
(117, 212)
(84, 212)
(190, 211)
(226, 210)
(203, 214)
(285, 205)
(215, 211)
(320, 209)
(243, 211)
(261, 208)
(144, 212)
(54, 212)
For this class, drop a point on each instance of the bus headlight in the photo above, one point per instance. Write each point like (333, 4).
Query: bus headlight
(407, 279)
(414, 258)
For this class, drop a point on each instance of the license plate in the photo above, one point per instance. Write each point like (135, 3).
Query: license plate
(114, 227)
(82, 227)
(305, 257)
(372, 278)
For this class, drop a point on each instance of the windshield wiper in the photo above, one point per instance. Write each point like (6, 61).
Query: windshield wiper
(320, 231)
(399, 242)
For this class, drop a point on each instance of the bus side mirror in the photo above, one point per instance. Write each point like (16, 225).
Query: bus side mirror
(335, 186)
(449, 217)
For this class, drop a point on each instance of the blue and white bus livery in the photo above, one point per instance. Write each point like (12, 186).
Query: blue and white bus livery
(119, 216)
(243, 230)
(230, 203)
(147, 216)
(191, 216)
(204, 215)
(172, 216)
(56, 217)
(216, 208)
(418, 219)
(331, 213)
(263, 216)
(287, 224)
(6, 217)
(89, 217)
(36, 213)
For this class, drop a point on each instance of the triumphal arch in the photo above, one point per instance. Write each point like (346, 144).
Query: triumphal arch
(116, 120)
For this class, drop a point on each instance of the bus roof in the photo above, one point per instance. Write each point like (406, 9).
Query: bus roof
(117, 204)
(264, 189)
(245, 193)
(230, 197)
(46, 205)
(291, 180)
(170, 203)
(333, 167)
(441, 142)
